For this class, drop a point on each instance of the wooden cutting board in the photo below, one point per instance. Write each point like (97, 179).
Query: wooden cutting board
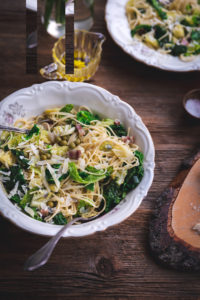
(174, 238)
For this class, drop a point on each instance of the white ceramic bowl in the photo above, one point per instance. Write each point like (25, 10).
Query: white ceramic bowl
(119, 30)
(33, 101)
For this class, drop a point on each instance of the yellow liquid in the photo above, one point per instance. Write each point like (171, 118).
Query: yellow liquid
(81, 60)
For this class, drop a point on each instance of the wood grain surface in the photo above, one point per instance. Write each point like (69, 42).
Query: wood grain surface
(114, 264)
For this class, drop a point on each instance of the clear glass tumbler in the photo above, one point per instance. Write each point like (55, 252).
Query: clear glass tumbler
(84, 14)
(53, 17)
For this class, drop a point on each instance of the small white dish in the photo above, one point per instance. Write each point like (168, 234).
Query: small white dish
(118, 27)
(34, 100)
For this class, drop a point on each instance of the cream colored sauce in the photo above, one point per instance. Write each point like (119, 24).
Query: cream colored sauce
(186, 209)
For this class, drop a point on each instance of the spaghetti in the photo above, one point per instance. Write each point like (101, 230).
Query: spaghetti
(171, 27)
(71, 164)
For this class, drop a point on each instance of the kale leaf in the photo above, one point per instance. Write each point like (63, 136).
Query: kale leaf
(6, 148)
(114, 193)
(15, 198)
(188, 8)
(195, 35)
(90, 187)
(63, 176)
(141, 29)
(178, 50)
(56, 166)
(15, 176)
(119, 129)
(34, 130)
(140, 156)
(159, 32)
(156, 5)
(24, 162)
(192, 21)
(67, 108)
(59, 219)
(49, 177)
(36, 216)
(83, 177)
(86, 117)
(26, 199)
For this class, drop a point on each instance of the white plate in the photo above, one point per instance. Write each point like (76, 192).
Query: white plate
(34, 100)
(119, 29)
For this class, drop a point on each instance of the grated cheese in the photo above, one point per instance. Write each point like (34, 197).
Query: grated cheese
(29, 211)
(65, 166)
(53, 174)
(14, 190)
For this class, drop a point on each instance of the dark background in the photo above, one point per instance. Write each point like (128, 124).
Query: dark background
(114, 264)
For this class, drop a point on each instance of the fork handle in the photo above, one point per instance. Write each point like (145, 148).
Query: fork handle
(14, 129)
(40, 257)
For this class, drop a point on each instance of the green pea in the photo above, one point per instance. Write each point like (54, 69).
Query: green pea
(48, 155)
(50, 204)
(78, 141)
(72, 145)
(63, 143)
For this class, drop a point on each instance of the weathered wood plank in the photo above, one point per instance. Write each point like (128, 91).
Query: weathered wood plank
(114, 264)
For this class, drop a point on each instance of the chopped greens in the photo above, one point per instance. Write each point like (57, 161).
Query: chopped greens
(141, 29)
(56, 166)
(16, 175)
(156, 5)
(36, 216)
(63, 176)
(119, 130)
(49, 177)
(160, 35)
(16, 198)
(134, 175)
(195, 35)
(34, 130)
(191, 21)
(67, 108)
(90, 187)
(19, 154)
(83, 177)
(86, 117)
(59, 219)
(26, 199)
(114, 193)
(6, 148)
(178, 50)
(188, 7)
(81, 205)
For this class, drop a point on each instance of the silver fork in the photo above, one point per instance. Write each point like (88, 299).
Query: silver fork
(41, 257)
(15, 129)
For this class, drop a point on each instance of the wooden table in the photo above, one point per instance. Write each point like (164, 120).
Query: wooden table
(114, 264)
